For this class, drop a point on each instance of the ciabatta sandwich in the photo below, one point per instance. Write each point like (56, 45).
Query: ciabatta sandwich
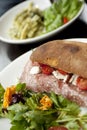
(59, 66)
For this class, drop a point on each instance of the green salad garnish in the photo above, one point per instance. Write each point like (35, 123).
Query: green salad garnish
(1, 98)
(60, 13)
(29, 110)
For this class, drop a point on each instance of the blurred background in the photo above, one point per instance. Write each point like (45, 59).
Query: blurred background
(7, 4)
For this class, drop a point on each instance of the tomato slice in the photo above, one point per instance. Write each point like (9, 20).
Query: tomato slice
(82, 83)
(58, 128)
(62, 72)
(46, 69)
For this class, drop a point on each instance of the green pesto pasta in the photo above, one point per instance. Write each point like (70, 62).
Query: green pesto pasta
(27, 24)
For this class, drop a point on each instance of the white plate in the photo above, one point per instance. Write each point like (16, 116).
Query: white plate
(10, 75)
(7, 19)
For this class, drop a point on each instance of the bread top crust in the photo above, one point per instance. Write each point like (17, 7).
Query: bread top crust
(70, 56)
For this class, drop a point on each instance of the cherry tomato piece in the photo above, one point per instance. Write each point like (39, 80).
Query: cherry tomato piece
(46, 69)
(62, 72)
(65, 20)
(82, 83)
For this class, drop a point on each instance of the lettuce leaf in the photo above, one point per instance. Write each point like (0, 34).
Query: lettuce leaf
(2, 90)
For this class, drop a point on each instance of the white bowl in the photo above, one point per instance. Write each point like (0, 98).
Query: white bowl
(7, 19)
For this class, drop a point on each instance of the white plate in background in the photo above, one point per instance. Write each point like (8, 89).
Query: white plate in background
(6, 21)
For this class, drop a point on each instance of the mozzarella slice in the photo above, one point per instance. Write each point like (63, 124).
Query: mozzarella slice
(58, 75)
(73, 79)
(35, 70)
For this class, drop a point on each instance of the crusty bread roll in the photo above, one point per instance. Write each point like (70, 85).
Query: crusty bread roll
(70, 56)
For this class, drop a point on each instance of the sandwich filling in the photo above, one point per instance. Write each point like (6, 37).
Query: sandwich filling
(66, 77)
